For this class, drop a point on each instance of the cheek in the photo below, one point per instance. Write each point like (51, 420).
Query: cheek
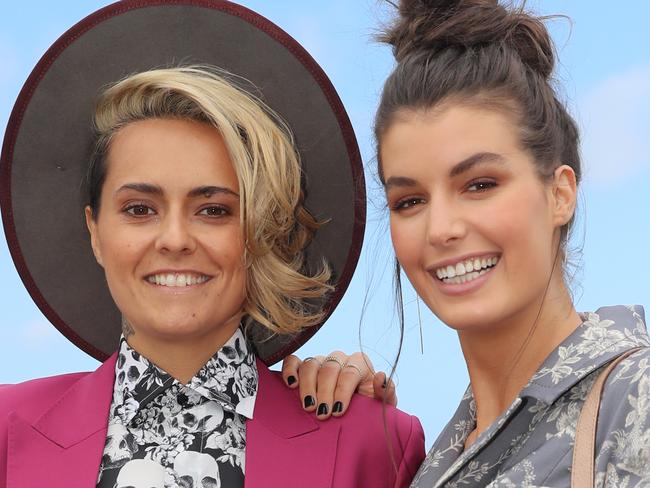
(407, 239)
(523, 229)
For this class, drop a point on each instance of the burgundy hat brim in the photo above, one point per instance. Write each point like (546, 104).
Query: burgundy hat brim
(49, 137)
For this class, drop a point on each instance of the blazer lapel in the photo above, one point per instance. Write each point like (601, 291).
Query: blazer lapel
(64, 446)
(285, 446)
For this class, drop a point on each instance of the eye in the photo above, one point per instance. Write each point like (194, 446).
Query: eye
(139, 210)
(481, 185)
(215, 211)
(406, 203)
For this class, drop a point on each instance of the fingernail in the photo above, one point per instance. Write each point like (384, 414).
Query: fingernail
(322, 409)
(291, 380)
(338, 407)
(309, 401)
(384, 383)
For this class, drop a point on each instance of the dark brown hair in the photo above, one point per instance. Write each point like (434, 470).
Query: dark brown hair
(481, 53)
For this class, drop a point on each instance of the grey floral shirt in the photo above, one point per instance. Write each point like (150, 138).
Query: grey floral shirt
(168, 434)
(531, 444)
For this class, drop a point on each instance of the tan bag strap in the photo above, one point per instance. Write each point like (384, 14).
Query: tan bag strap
(582, 470)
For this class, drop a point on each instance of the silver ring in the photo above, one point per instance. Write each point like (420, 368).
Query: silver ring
(357, 368)
(311, 358)
(335, 360)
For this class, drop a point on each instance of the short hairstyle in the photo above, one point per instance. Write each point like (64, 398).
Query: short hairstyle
(276, 226)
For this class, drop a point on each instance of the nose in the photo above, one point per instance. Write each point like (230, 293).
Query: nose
(175, 235)
(445, 223)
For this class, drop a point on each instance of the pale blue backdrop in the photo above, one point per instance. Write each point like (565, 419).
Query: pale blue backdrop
(605, 72)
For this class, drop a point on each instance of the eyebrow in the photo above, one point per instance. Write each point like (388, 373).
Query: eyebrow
(477, 159)
(464, 166)
(200, 191)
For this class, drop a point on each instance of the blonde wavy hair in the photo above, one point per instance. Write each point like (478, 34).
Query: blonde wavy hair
(276, 226)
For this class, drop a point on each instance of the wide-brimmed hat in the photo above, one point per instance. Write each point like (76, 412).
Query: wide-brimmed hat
(49, 139)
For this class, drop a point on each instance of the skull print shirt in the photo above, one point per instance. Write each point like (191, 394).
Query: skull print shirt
(162, 433)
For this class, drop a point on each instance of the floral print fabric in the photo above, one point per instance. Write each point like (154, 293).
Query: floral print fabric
(531, 443)
(174, 435)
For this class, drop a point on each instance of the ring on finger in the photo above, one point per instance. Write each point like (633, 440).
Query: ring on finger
(311, 358)
(356, 368)
(335, 360)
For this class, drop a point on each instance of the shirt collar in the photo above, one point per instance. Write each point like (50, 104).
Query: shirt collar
(604, 335)
(229, 377)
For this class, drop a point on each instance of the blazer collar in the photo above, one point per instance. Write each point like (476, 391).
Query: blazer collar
(82, 410)
(64, 446)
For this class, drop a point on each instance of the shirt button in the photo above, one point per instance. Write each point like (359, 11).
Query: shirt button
(182, 399)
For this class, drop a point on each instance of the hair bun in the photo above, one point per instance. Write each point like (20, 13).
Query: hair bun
(437, 24)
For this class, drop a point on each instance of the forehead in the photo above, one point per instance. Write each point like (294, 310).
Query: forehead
(444, 137)
(170, 152)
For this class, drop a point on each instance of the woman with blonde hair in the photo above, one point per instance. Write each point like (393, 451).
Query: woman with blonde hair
(214, 228)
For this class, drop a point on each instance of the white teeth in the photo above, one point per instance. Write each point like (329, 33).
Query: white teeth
(177, 280)
(465, 271)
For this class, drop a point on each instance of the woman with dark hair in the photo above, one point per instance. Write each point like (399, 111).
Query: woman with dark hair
(480, 164)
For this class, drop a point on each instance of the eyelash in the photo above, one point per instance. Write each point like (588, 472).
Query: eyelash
(486, 184)
(406, 203)
(223, 211)
(479, 185)
(131, 210)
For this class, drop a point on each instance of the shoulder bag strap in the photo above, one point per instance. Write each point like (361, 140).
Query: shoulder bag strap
(582, 470)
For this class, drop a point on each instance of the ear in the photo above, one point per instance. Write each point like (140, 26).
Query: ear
(564, 194)
(91, 223)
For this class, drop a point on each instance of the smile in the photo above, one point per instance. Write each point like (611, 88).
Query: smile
(177, 279)
(465, 270)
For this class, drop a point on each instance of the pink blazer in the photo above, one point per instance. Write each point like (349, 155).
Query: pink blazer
(52, 433)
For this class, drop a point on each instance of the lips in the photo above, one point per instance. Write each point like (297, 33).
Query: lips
(465, 270)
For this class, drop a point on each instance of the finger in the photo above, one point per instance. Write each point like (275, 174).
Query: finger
(328, 376)
(307, 376)
(290, 367)
(355, 376)
(385, 387)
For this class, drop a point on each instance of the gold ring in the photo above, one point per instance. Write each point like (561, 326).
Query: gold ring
(357, 368)
(335, 360)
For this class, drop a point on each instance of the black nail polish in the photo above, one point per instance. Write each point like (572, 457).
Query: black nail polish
(291, 380)
(338, 407)
(322, 409)
(309, 401)
(384, 383)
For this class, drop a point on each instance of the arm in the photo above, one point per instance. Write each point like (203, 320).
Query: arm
(333, 382)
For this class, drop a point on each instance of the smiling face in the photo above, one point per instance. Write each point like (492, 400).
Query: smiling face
(474, 227)
(168, 234)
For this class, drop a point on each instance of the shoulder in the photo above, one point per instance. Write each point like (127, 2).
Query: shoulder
(389, 443)
(28, 397)
(375, 418)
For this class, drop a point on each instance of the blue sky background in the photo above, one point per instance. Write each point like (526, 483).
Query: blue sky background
(605, 75)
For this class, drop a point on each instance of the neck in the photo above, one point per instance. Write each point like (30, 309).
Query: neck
(502, 359)
(183, 357)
